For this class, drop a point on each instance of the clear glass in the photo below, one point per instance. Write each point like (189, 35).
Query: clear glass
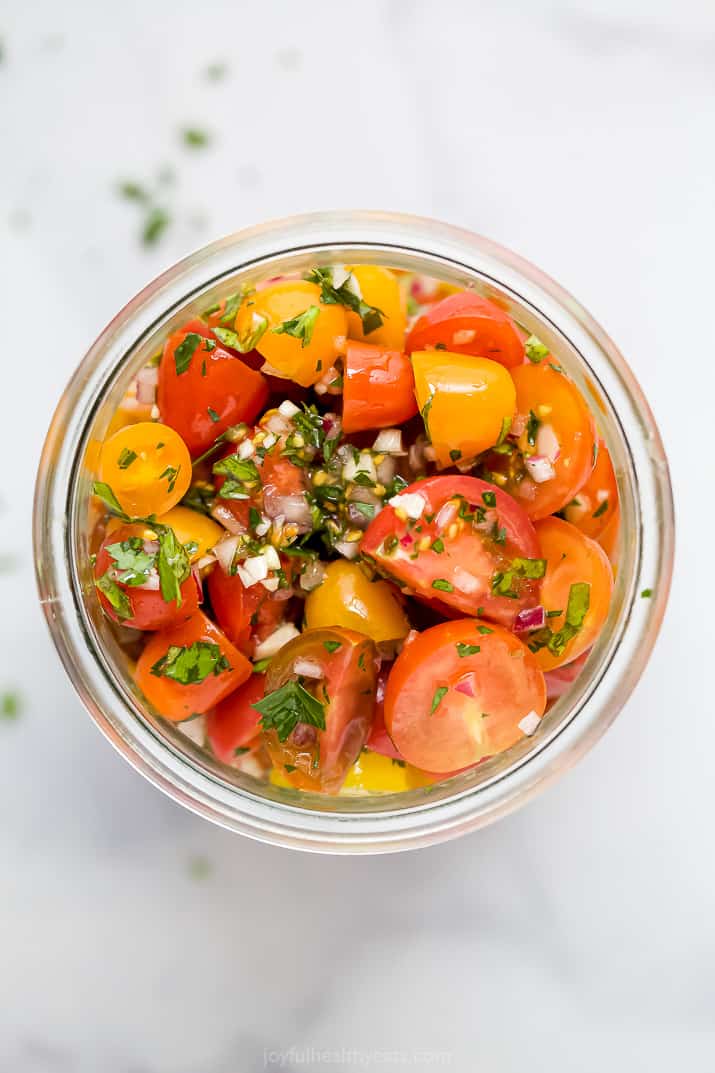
(97, 665)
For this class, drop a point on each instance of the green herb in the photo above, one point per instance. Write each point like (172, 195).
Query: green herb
(289, 768)
(554, 614)
(425, 413)
(455, 455)
(361, 661)
(366, 509)
(532, 427)
(489, 499)
(370, 316)
(364, 479)
(438, 545)
(200, 497)
(105, 493)
(126, 457)
(10, 705)
(437, 698)
(576, 610)
(484, 629)
(191, 664)
(467, 650)
(133, 191)
(116, 596)
(185, 352)
(535, 349)
(241, 750)
(595, 453)
(646, 594)
(397, 762)
(254, 517)
(239, 473)
(505, 426)
(480, 611)
(261, 665)
(286, 707)
(529, 568)
(132, 562)
(155, 224)
(600, 510)
(332, 646)
(300, 327)
(231, 308)
(195, 138)
(173, 564)
(557, 368)
(171, 473)
(498, 535)
(502, 582)
(442, 584)
(212, 414)
(389, 544)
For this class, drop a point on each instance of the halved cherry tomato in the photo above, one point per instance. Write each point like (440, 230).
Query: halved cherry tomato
(374, 773)
(556, 444)
(466, 323)
(572, 559)
(347, 598)
(279, 477)
(467, 403)
(379, 288)
(245, 614)
(149, 610)
(595, 504)
(190, 528)
(378, 739)
(378, 387)
(147, 466)
(173, 699)
(560, 680)
(320, 759)
(472, 547)
(204, 389)
(300, 350)
(457, 694)
(234, 723)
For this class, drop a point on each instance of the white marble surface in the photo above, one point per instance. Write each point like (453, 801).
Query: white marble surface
(577, 935)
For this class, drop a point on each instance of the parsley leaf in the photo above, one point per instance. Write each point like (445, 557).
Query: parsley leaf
(126, 457)
(535, 349)
(185, 351)
(370, 316)
(173, 564)
(442, 584)
(489, 499)
(212, 414)
(116, 596)
(240, 474)
(332, 646)
(600, 510)
(191, 664)
(646, 594)
(300, 327)
(530, 568)
(467, 650)
(105, 493)
(437, 698)
(132, 561)
(286, 707)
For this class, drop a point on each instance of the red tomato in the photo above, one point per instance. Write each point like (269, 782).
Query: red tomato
(279, 477)
(378, 388)
(320, 759)
(173, 699)
(466, 323)
(243, 614)
(214, 391)
(378, 739)
(596, 502)
(456, 695)
(447, 556)
(560, 680)
(149, 609)
(233, 724)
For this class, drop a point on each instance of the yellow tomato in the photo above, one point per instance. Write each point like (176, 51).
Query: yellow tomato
(346, 598)
(147, 466)
(375, 773)
(191, 527)
(464, 401)
(379, 288)
(308, 347)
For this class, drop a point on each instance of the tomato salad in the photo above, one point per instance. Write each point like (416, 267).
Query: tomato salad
(357, 525)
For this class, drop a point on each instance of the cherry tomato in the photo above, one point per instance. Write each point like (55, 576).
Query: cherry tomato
(320, 759)
(595, 504)
(560, 680)
(279, 477)
(467, 403)
(148, 608)
(190, 527)
(346, 597)
(378, 388)
(375, 773)
(204, 389)
(378, 740)
(246, 615)
(466, 323)
(472, 547)
(218, 668)
(147, 466)
(302, 337)
(379, 288)
(456, 695)
(578, 584)
(233, 723)
(556, 442)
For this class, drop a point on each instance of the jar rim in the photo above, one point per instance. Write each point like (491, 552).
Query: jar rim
(621, 661)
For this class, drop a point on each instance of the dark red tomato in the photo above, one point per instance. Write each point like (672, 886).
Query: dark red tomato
(233, 723)
(466, 323)
(243, 614)
(148, 608)
(378, 740)
(213, 390)
(472, 548)
(311, 758)
(378, 388)
(461, 692)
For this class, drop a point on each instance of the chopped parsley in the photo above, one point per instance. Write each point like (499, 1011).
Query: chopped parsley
(126, 457)
(532, 427)
(370, 316)
(577, 606)
(185, 351)
(484, 629)
(105, 493)
(332, 646)
(489, 499)
(132, 563)
(240, 474)
(437, 698)
(155, 224)
(212, 414)
(600, 510)
(505, 426)
(172, 563)
(530, 568)
(286, 707)
(300, 327)
(118, 599)
(455, 455)
(536, 351)
(442, 584)
(425, 413)
(438, 545)
(171, 473)
(467, 650)
(646, 594)
(191, 664)
(366, 509)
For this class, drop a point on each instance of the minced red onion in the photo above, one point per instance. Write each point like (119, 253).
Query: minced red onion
(225, 552)
(312, 576)
(464, 581)
(531, 618)
(466, 686)
(389, 442)
(539, 468)
(348, 548)
(547, 442)
(293, 508)
(308, 668)
(227, 519)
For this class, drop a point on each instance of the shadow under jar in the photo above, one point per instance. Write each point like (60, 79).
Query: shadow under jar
(98, 665)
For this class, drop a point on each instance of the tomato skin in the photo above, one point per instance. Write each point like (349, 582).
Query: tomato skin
(244, 614)
(571, 558)
(233, 723)
(150, 611)
(173, 700)
(378, 740)
(378, 389)
(347, 598)
(379, 287)
(495, 333)
(480, 558)
(230, 388)
(158, 475)
(487, 694)
(322, 758)
(597, 500)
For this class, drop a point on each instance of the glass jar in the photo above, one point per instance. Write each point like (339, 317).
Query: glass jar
(97, 665)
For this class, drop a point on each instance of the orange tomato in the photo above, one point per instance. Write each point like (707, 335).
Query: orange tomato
(147, 466)
(378, 389)
(465, 402)
(303, 335)
(197, 641)
(379, 288)
(347, 598)
(572, 559)
(595, 504)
